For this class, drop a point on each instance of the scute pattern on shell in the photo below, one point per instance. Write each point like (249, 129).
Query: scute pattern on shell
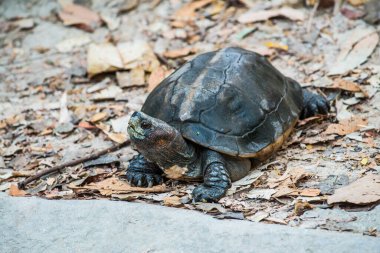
(232, 101)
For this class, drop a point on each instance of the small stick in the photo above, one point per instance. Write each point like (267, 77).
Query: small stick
(93, 156)
(312, 14)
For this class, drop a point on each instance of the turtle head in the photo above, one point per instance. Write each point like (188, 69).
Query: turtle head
(156, 140)
(148, 130)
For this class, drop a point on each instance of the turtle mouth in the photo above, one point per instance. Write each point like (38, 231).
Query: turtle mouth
(134, 133)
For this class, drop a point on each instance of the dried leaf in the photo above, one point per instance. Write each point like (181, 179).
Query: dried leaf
(356, 54)
(157, 76)
(15, 191)
(73, 14)
(68, 45)
(258, 216)
(255, 16)
(210, 207)
(188, 11)
(271, 44)
(261, 193)
(103, 58)
(176, 53)
(118, 137)
(348, 126)
(300, 207)
(363, 191)
(345, 85)
(138, 53)
(114, 185)
(172, 201)
(86, 125)
(98, 117)
(245, 182)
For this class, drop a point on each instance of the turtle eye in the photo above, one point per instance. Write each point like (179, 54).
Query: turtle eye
(145, 124)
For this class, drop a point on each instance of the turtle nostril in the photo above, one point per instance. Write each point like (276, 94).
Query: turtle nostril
(135, 114)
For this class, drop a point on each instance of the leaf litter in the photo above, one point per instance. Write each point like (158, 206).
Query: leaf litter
(114, 55)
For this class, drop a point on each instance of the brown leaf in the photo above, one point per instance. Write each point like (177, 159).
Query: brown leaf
(300, 207)
(255, 16)
(86, 125)
(176, 53)
(98, 117)
(15, 191)
(363, 191)
(157, 76)
(188, 11)
(345, 85)
(114, 185)
(73, 14)
(348, 126)
(172, 201)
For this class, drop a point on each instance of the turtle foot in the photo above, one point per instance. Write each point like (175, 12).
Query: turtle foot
(314, 104)
(216, 183)
(143, 173)
(205, 193)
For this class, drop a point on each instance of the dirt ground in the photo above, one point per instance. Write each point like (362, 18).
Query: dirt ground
(72, 74)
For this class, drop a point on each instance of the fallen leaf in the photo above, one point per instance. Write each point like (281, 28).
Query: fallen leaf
(86, 125)
(347, 126)
(364, 161)
(69, 44)
(301, 207)
(103, 58)
(258, 216)
(110, 19)
(354, 53)
(357, 2)
(363, 191)
(188, 11)
(172, 201)
(345, 85)
(15, 191)
(255, 16)
(80, 16)
(114, 185)
(157, 76)
(245, 182)
(98, 117)
(116, 137)
(210, 207)
(271, 44)
(110, 93)
(276, 220)
(261, 193)
(128, 5)
(138, 76)
(138, 53)
(176, 53)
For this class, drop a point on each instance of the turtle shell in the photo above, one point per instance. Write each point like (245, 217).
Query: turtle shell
(232, 101)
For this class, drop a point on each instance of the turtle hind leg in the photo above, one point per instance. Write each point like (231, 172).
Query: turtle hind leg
(313, 104)
(143, 173)
(216, 179)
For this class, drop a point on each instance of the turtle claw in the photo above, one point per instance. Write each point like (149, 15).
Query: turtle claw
(205, 193)
(142, 173)
(140, 179)
(314, 104)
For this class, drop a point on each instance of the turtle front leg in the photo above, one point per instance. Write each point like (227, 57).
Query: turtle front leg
(313, 104)
(216, 179)
(143, 173)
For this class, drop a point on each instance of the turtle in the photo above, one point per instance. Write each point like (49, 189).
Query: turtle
(213, 119)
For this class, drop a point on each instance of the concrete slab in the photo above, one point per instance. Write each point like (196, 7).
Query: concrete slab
(38, 225)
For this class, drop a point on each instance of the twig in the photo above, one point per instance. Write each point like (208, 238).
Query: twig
(312, 14)
(93, 156)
